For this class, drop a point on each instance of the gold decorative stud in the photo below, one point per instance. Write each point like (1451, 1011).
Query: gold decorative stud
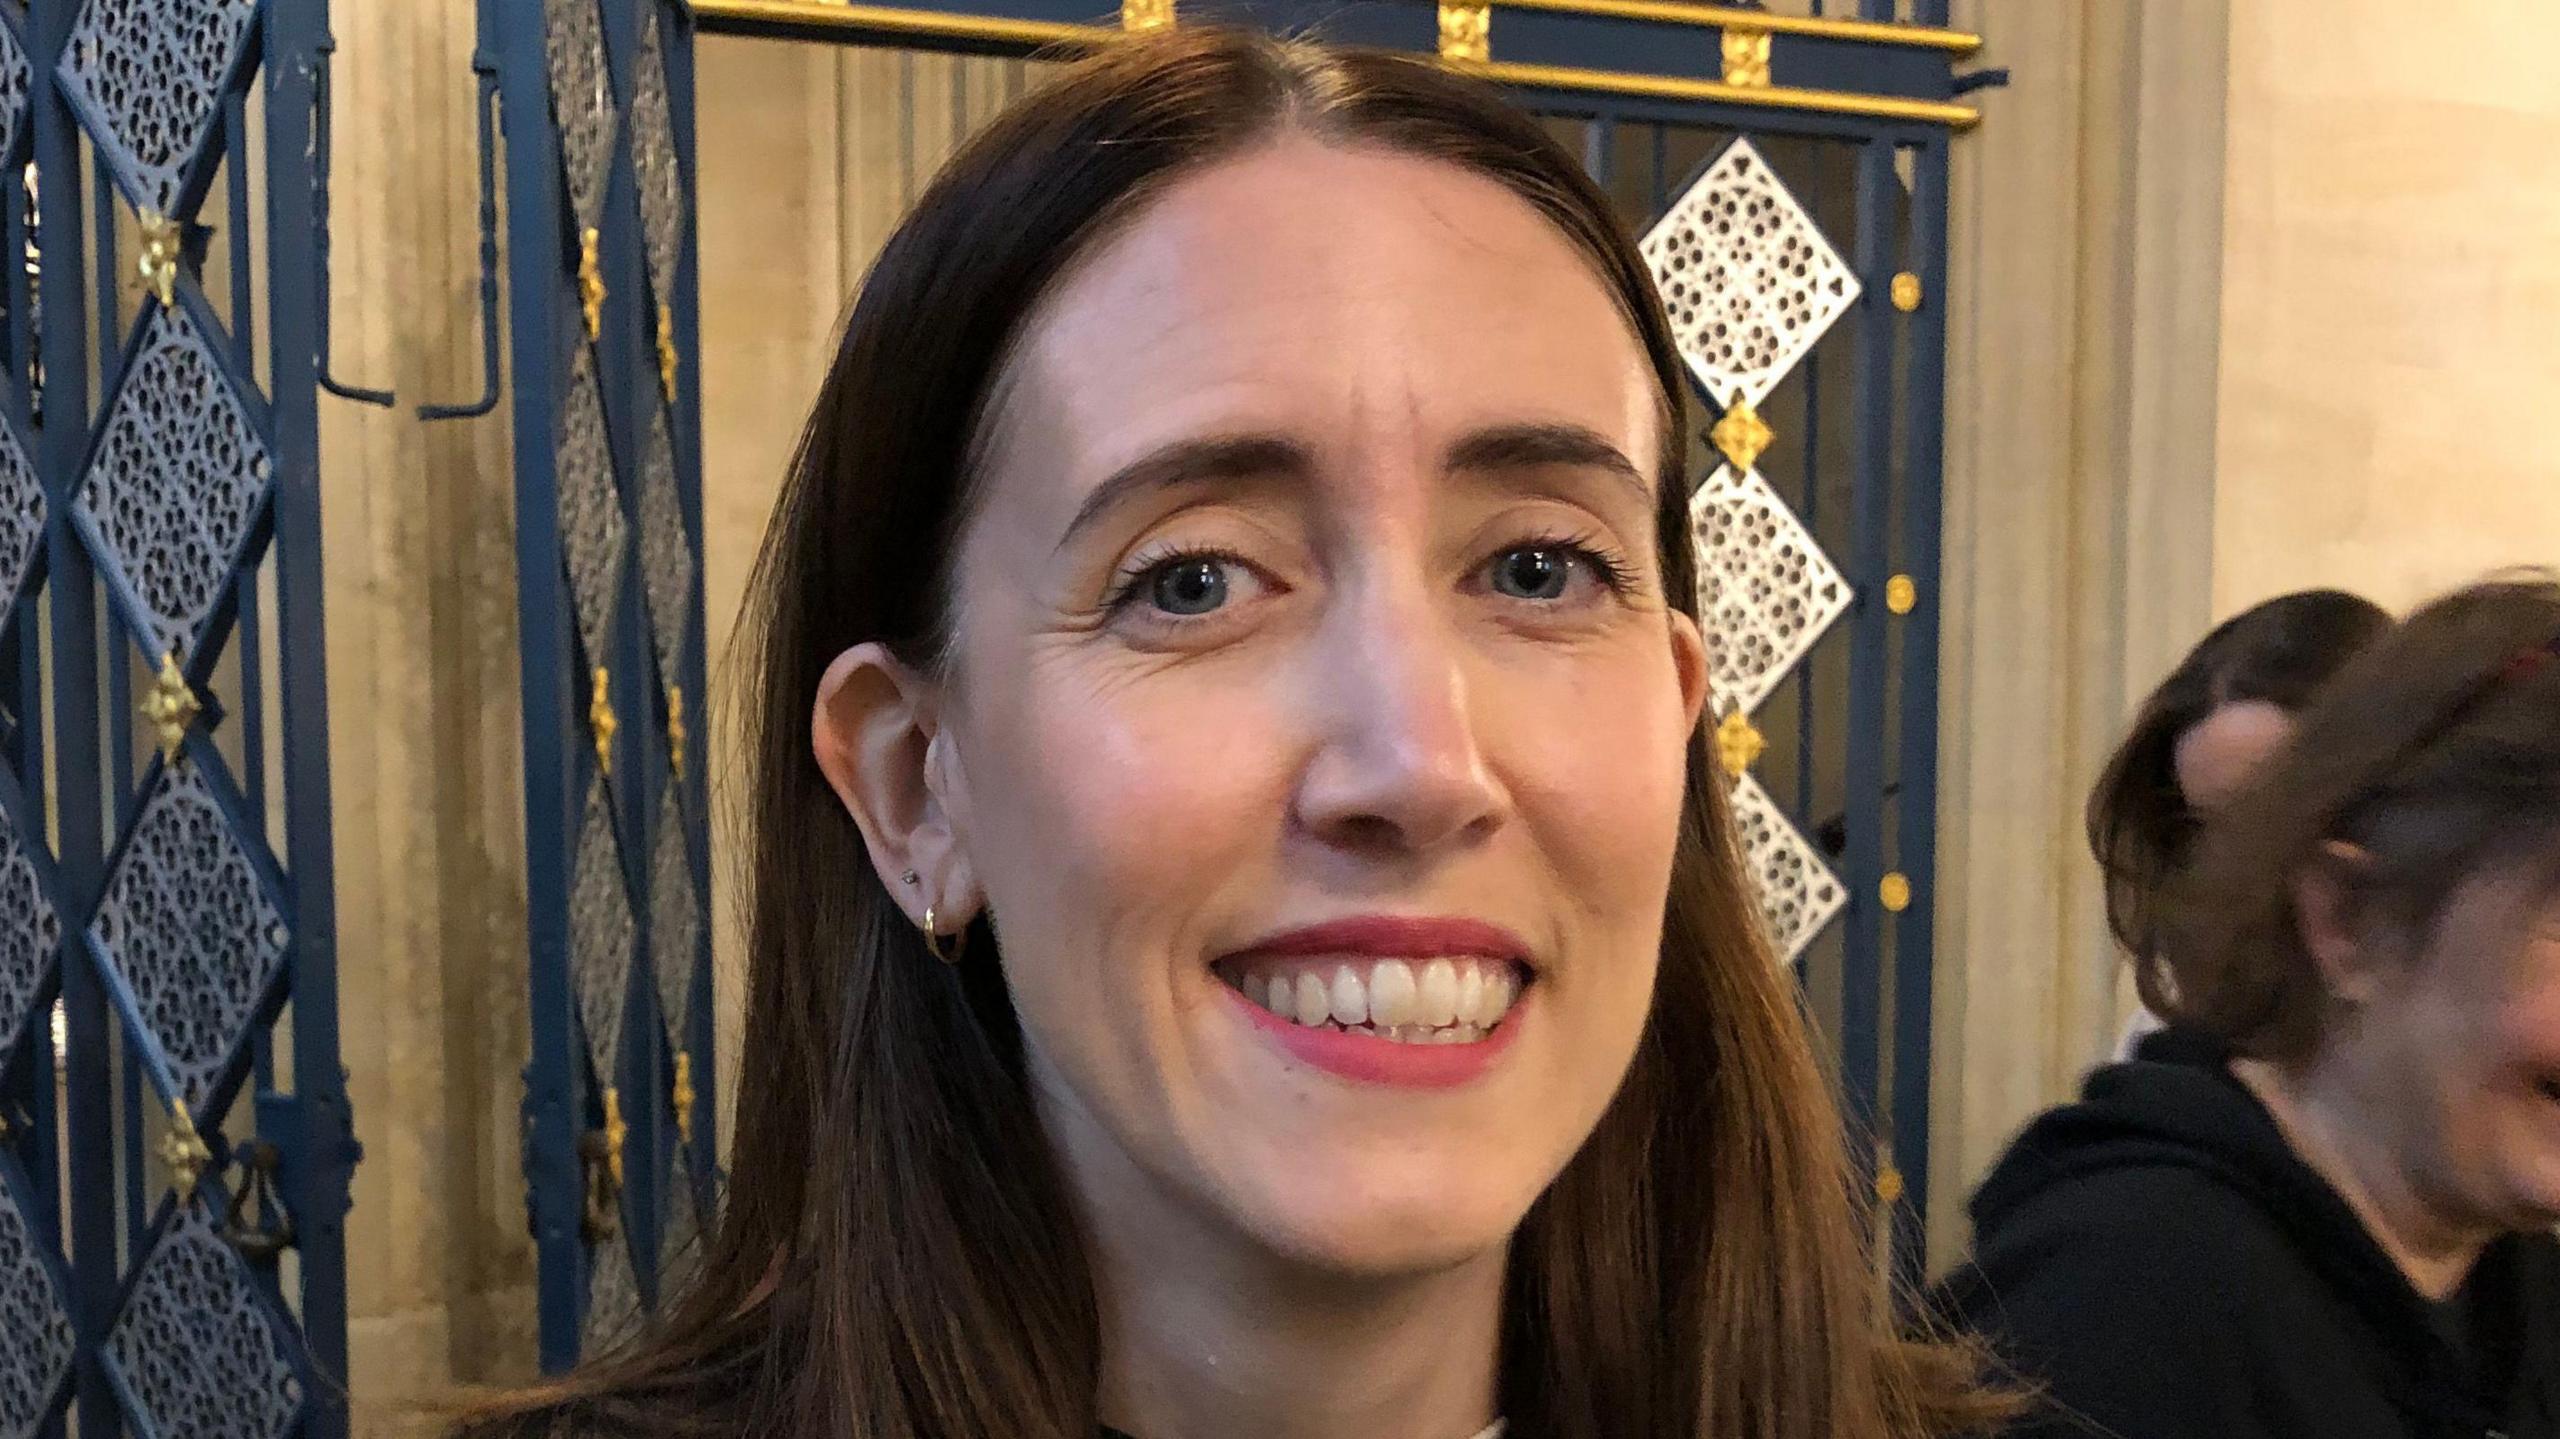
(171, 708)
(667, 353)
(158, 262)
(1746, 56)
(615, 1132)
(1466, 30)
(1739, 742)
(1901, 595)
(591, 281)
(601, 720)
(1889, 1186)
(1140, 16)
(1906, 292)
(1895, 891)
(1741, 435)
(184, 1150)
(675, 729)
(682, 1096)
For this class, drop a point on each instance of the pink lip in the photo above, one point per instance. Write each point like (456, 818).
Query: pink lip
(1370, 1060)
(1367, 1059)
(1394, 937)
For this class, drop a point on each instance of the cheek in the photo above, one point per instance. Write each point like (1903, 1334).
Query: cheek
(1599, 772)
(2529, 1021)
(1104, 798)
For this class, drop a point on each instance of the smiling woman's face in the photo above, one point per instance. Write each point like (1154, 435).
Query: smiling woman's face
(1317, 727)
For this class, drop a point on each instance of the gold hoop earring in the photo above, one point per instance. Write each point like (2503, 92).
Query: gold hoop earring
(933, 939)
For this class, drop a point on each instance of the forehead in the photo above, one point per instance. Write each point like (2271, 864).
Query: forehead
(1329, 290)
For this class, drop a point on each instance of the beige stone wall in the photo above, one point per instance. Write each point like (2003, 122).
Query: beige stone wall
(424, 740)
(2081, 330)
(2391, 313)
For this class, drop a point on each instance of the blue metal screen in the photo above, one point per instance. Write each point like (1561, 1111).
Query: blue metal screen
(175, 1142)
(599, 321)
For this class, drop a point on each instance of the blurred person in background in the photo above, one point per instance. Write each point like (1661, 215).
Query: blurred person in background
(2342, 1227)
(2227, 707)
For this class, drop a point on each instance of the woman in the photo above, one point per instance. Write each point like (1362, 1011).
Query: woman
(2227, 707)
(2344, 1226)
(1246, 938)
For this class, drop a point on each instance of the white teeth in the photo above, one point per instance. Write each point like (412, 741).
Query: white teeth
(1471, 995)
(1391, 994)
(1313, 1006)
(1438, 998)
(1436, 1001)
(1350, 998)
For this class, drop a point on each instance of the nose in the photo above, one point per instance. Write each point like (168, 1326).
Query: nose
(1399, 767)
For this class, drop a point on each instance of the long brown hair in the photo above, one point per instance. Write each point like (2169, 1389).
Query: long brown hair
(897, 1258)
(2436, 753)
(2141, 827)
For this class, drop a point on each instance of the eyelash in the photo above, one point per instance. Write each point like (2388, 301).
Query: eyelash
(1142, 567)
(1614, 574)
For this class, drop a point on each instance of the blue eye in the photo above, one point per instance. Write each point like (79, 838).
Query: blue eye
(1533, 572)
(1193, 586)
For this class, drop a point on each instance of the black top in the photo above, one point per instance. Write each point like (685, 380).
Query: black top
(2157, 1257)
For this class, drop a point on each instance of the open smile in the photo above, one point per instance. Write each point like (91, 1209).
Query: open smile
(1387, 1000)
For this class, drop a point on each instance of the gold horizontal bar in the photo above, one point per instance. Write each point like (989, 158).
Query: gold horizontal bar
(1678, 87)
(945, 25)
(1672, 12)
(897, 20)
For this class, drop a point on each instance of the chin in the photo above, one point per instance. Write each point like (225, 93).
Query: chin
(1392, 1221)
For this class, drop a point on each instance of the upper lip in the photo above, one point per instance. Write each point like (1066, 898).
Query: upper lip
(1388, 936)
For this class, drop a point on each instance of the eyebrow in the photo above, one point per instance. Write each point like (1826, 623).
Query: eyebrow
(1192, 462)
(1535, 446)
(1227, 458)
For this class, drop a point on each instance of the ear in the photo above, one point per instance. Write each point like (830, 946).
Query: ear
(875, 730)
(1689, 659)
(2325, 916)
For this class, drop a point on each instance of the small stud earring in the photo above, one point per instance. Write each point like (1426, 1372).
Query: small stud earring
(908, 879)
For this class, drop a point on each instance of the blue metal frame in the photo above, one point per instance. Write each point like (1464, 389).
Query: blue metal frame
(570, 1148)
(125, 988)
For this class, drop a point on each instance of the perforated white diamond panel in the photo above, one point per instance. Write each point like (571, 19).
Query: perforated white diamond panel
(38, 1351)
(613, 1295)
(197, 1348)
(1766, 591)
(602, 932)
(1798, 893)
(675, 916)
(1747, 277)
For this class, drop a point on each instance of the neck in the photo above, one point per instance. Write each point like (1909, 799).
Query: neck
(2315, 1104)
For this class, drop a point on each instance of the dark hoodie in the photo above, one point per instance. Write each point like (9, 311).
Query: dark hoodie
(2160, 1262)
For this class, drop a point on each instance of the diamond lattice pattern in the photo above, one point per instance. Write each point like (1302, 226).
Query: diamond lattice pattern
(38, 1351)
(1748, 279)
(149, 77)
(175, 481)
(1766, 590)
(1798, 893)
(602, 933)
(187, 922)
(30, 934)
(197, 1348)
(582, 100)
